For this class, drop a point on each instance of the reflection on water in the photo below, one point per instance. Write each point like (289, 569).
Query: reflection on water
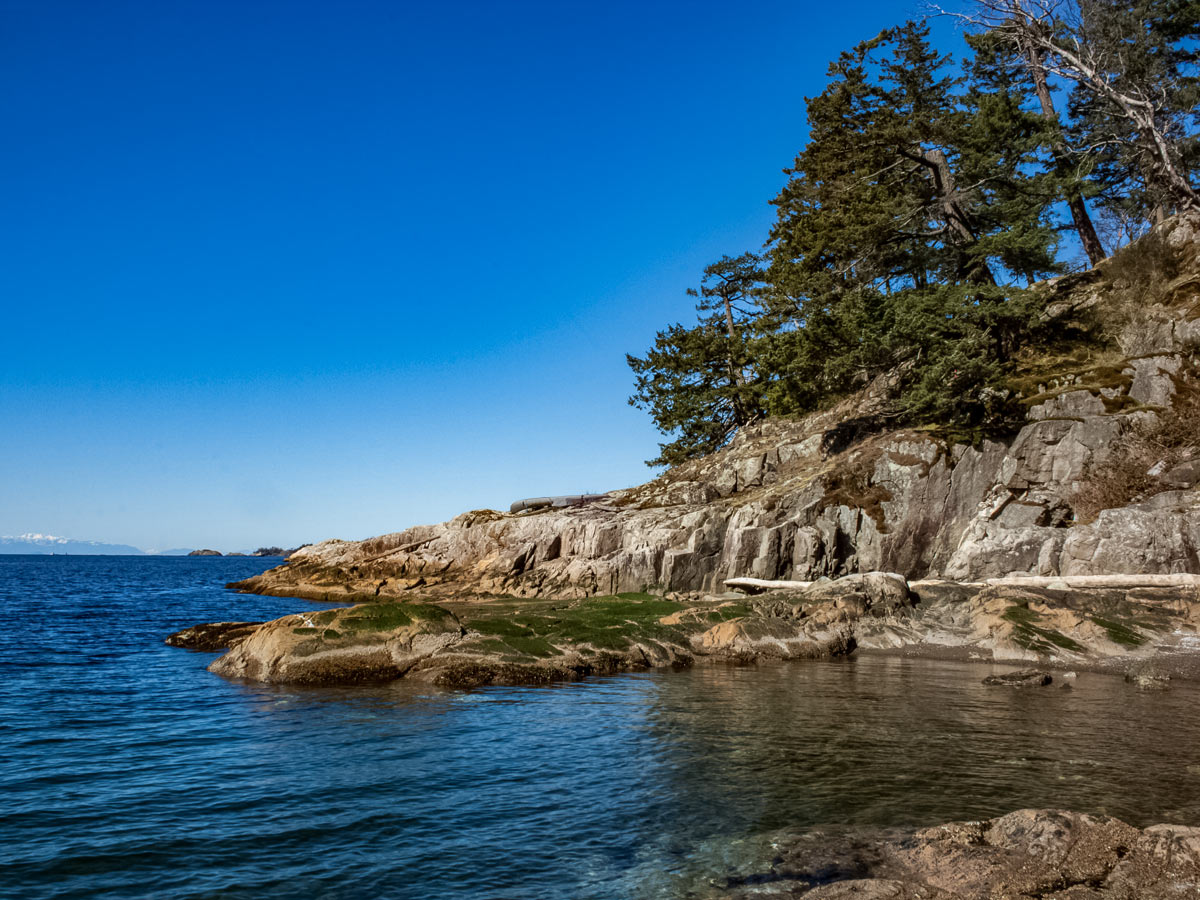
(128, 771)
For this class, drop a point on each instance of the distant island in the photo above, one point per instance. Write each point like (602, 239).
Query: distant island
(51, 545)
(261, 551)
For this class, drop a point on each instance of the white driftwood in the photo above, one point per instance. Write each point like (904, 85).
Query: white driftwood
(758, 585)
(1082, 581)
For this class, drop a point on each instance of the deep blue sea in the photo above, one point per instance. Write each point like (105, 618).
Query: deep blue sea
(127, 770)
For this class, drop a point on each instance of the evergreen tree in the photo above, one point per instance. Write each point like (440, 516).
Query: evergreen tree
(923, 206)
(700, 383)
(908, 218)
(1132, 67)
(1010, 64)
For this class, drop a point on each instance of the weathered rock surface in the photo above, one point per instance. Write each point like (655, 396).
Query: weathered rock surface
(363, 643)
(510, 640)
(1046, 854)
(832, 502)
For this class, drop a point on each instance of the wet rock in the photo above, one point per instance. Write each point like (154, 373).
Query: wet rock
(1024, 678)
(1148, 676)
(771, 638)
(372, 642)
(213, 636)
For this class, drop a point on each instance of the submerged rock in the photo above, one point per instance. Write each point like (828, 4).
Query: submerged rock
(1149, 680)
(1024, 678)
(1047, 854)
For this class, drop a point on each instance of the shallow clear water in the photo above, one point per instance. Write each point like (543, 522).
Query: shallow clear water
(127, 770)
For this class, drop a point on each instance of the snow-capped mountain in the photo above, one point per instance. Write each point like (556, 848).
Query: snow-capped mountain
(49, 543)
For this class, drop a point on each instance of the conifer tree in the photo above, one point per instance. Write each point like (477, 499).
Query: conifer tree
(1132, 67)
(909, 218)
(1136, 103)
(1011, 64)
(701, 383)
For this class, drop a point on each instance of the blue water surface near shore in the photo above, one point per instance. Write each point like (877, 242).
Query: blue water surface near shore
(127, 770)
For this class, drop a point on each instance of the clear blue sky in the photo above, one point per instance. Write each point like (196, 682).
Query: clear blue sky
(281, 271)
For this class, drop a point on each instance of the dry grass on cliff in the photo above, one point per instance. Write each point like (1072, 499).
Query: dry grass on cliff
(1155, 444)
(1141, 273)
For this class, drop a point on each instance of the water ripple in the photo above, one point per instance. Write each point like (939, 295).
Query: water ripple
(128, 771)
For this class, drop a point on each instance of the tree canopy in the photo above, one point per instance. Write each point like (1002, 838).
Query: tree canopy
(930, 195)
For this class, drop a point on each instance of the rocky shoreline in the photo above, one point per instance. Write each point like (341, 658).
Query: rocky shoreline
(471, 640)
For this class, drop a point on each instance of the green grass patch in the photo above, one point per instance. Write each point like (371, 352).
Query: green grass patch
(725, 613)
(1022, 615)
(605, 623)
(389, 616)
(519, 634)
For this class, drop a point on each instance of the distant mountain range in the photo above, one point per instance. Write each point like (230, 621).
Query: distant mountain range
(49, 543)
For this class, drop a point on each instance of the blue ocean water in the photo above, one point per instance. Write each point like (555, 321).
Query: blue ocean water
(127, 770)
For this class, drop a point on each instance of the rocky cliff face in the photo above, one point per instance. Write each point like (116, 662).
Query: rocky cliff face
(818, 497)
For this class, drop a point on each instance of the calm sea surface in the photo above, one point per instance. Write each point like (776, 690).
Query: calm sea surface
(127, 770)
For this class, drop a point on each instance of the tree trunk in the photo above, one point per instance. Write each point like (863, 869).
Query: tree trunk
(956, 218)
(736, 375)
(1079, 214)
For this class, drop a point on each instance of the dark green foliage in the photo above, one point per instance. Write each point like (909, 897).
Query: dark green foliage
(909, 220)
(928, 199)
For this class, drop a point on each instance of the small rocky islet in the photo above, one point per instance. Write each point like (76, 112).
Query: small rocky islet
(840, 536)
